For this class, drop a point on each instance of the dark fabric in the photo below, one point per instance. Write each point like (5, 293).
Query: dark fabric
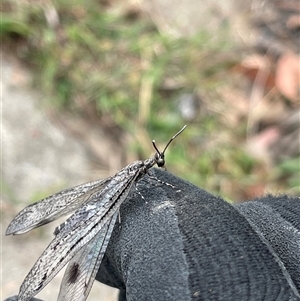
(191, 245)
(277, 222)
(183, 243)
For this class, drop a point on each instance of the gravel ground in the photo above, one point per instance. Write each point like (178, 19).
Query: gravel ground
(38, 158)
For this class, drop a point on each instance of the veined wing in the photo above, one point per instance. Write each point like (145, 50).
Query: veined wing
(78, 230)
(82, 269)
(54, 206)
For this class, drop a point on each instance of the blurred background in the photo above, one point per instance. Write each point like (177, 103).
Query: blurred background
(86, 86)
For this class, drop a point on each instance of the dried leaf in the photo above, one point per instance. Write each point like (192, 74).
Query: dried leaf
(288, 76)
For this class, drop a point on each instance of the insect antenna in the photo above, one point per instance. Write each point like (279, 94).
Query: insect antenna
(154, 145)
(160, 156)
(173, 138)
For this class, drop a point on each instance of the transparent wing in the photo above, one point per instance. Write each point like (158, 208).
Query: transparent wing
(82, 269)
(54, 206)
(77, 231)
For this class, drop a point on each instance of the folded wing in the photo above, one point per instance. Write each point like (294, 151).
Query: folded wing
(54, 206)
(78, 230)
(82, 269)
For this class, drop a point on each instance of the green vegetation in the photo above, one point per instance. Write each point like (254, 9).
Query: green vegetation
(289, 171)
(113, 63)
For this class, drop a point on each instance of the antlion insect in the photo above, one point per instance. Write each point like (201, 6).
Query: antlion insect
(82, 239)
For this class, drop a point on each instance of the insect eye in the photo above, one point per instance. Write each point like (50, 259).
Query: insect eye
(160, 160)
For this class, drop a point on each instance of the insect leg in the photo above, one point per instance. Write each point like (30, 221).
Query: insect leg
(160, 181)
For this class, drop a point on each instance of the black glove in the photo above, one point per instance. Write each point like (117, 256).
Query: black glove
(184, 243)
